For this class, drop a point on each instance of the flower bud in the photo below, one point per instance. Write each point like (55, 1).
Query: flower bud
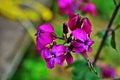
(65, 28)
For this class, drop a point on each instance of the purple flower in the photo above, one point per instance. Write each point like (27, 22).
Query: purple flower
(89, 8)
(82, 42)
(54, 55)
(108, 71)
(45, 35)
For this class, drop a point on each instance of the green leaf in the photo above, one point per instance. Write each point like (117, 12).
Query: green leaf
(113, 43)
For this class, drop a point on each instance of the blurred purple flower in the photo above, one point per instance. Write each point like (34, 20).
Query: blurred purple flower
(68, 6)
(108, 71)
(89, 8)
(82, 43)
(45, 35)
(55, 55)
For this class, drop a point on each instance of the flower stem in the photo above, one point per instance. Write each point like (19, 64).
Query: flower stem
(106, 33)
(61, 38)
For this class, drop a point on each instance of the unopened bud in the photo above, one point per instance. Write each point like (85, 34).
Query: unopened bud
(65, 28)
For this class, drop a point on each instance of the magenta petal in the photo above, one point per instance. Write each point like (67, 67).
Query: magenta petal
(73, 23)
(85, 54)
(78, 47)
(79, 34)
(59, 60)
(46, 28)
(43, 39)
(39, 45)
(89, 49)
(58, 49)
(69, 58)
(50, 63)
(90, 41)
(45, 53)
(71, 15)
(46, 38)
(86, 25)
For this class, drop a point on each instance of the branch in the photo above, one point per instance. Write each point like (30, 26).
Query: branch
(106, 33)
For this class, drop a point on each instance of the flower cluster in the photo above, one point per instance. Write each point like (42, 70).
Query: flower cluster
(78, 40)
(70, 6)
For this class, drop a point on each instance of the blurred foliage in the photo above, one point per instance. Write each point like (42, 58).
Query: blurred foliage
(105, 9)
(55, 7)
(110, 39)
(100, 34)
(33, 67)
(81, 71)
(24, 9)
